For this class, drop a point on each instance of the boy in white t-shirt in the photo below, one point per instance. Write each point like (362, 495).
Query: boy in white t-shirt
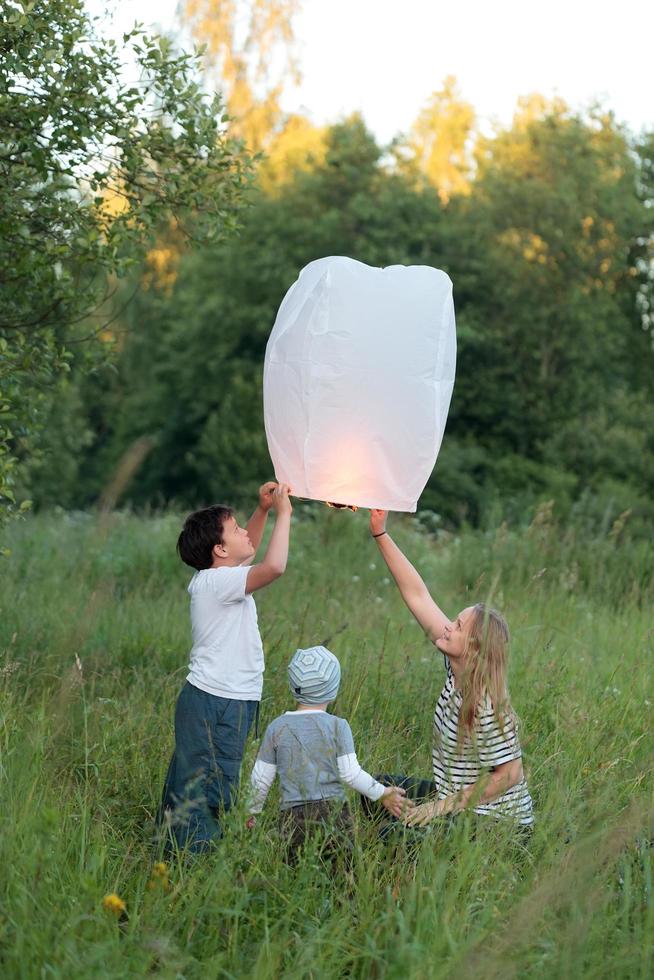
(220, 699)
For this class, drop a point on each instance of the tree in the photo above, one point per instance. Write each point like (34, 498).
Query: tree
(299, 146)
(643, 252)
(554, 368)
(440, 142)
(91, 165)
(249, 49)
(542, 255)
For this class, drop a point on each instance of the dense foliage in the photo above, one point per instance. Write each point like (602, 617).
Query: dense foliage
(548, 251)
(545, 228)
(100, 144)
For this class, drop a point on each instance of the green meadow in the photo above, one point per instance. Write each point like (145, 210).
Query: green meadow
(94, 643)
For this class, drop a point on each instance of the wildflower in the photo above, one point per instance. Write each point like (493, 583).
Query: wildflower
(372, 566)
(113, 903)
(159, 877)
(355, 578)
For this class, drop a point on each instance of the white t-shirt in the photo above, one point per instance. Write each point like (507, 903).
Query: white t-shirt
(227, 654)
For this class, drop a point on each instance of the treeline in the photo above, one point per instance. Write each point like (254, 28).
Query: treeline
(548, 243)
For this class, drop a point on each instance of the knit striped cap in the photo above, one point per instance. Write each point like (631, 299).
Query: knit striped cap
(314, 675)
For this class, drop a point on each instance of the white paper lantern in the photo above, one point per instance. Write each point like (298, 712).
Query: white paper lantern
(358, 378)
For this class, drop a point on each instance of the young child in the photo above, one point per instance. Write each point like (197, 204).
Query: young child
(313, 753)
(220, 699)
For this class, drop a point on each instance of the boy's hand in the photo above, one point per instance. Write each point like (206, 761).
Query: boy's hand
(266, 495)
(280, 500)
(251, 822)
(395, 801)
(378, 521)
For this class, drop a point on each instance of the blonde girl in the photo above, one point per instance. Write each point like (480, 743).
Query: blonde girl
(476, 756)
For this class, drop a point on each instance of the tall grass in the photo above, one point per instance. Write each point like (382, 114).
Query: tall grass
(94, 643)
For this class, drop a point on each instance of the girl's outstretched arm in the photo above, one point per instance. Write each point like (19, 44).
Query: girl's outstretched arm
(412, 588)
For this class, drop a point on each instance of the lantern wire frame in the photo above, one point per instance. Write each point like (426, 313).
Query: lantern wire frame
(333, 505)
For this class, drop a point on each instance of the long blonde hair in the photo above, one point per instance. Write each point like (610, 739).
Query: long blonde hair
(487, 650)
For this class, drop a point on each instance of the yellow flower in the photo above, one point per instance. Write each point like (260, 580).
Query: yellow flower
(159, 877)
(114, 903)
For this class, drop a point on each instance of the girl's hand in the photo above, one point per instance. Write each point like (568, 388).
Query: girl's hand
(378, 521)
(251, 822)
(423, 814)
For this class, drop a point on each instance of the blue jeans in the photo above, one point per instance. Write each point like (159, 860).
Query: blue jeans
(203, 775)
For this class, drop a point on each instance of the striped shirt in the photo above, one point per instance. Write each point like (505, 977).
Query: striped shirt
(456, 767)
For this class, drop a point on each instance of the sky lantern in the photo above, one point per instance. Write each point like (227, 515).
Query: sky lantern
(357, 382)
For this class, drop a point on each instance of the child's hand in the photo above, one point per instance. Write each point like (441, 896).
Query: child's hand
(422, 815)
(280, 500)
(378, 521)
(266, 495)
(395, 801)
(251, 822)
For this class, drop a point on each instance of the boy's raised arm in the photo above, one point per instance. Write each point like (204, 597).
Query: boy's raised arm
(274, 561)
(255, 526)
(412, 588)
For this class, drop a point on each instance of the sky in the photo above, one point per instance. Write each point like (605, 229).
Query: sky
(385, 57)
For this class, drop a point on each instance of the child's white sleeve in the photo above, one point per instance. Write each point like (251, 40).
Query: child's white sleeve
(262, 778)
(265, 769)
(351, 773)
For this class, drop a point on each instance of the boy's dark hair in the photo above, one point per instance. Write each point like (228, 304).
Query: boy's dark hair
(201, 531)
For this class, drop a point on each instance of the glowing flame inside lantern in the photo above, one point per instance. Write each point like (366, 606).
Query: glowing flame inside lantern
(342, 469)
